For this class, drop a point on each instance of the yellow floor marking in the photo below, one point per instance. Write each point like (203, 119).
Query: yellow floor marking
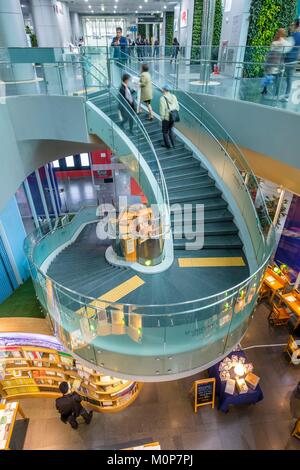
(115, 294)
(209, 262)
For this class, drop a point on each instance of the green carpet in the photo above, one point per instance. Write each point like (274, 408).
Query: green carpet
(22, 303)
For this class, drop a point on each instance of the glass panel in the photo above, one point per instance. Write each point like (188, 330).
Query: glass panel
(70, 162)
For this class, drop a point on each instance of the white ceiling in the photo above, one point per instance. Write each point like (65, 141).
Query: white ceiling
(123, 6)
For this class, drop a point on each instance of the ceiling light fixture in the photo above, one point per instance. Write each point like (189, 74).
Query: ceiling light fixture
(90, 6)
(140, 7)
(165, 7)
(102, 8)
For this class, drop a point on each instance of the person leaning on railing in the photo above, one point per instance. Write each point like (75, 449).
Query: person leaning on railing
(291, 58)
(274, 62)
(120, 45)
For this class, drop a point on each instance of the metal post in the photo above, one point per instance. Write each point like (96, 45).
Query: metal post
(51, 191)
(40, 186)
(31, 203)
(279, 206)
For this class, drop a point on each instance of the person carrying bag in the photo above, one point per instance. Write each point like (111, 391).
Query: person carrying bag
(169, 113)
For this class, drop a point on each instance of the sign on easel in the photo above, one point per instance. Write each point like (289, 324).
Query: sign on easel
(204, 391)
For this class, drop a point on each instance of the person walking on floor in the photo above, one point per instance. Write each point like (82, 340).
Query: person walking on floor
(127, 102)
(69, 406)
(274, 62)
(175, 50)
(168, 103)
(146, 89)
(291, 58)
(120, 45)
(156, 49)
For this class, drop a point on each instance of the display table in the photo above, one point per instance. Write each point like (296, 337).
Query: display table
(8, 417)
(225, 399)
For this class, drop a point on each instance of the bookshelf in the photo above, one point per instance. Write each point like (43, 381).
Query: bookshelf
(31, 371)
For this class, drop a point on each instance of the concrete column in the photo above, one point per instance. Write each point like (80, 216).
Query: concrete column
(76, 27)
(21, 78)
(46, 25)
(12, 29)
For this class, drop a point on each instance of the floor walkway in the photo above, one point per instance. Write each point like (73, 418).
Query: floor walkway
(163, 411)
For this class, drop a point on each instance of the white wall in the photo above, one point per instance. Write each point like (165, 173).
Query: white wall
(235, 31)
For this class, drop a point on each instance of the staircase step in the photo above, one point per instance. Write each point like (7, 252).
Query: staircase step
(172, 176)
(210, 228)
(194, 195)
(214, 204)
(173, 154)
(179, 165)
(219, 215)
(214, 242)
(190, 183)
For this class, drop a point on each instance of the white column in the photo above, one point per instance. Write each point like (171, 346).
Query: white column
(76, 27)
(46, 25)
(12, 34)
(41, 191)
(51, 191)
(31, 203)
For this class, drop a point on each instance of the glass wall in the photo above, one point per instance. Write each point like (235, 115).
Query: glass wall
(99, 31)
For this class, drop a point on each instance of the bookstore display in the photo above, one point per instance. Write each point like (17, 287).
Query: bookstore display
(8, 416)
(293, 350)
(236, 382)
(36, 371)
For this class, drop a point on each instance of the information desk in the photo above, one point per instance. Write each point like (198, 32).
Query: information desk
(225, 399)
(8, 417)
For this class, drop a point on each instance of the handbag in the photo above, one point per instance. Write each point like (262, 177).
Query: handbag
(173, 113)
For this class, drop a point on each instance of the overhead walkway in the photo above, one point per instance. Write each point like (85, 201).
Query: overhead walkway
(190, 313)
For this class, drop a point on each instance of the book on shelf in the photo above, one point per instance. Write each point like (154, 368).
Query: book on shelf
(106, 403)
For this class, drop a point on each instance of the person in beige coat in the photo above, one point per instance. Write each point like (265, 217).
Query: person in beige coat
(146, 90)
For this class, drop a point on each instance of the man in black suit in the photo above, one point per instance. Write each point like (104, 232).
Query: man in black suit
(69, 406)
(127, 105)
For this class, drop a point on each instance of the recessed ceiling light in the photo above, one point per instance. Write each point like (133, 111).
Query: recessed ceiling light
(145, 1)
(165, 7)
(92, 11)
(90, 6)
(140, 6)
(136, 11)
(102, 8)
(86, 1)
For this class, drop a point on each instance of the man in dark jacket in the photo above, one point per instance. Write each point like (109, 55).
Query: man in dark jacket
(127, 104)
(120, 45)
(69, 406)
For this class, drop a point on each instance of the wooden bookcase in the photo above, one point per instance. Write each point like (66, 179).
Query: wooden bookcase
(28, 371)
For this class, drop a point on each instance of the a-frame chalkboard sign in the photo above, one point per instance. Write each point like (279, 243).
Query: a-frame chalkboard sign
(204, 391)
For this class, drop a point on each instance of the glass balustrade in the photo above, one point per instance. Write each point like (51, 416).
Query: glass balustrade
(145, 340)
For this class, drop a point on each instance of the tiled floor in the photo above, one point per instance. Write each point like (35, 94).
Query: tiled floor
(163, 411)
